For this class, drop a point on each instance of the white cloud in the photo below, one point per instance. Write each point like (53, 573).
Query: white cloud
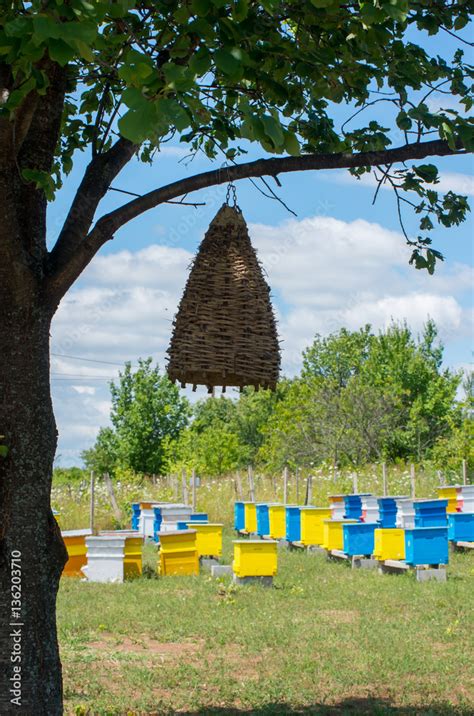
(84, 389)
(324, 273)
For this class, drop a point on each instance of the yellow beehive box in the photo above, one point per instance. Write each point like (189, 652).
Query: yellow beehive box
(75, 541)
(255, 558)
(312, 524)
(184, 563)
(132, 557)
(250, 516)
(178, 553)
(333, 534)
(177, 541)
(389, 543)
(208, 538)
(449, 493)
(277, 520)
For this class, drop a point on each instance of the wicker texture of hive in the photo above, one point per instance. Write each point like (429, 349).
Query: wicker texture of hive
(225, 332)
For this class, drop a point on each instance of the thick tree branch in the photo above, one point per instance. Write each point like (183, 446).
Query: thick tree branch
(98, 177)
(65, 274)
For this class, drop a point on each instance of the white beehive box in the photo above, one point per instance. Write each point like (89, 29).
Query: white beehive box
(405, 514)
(370, 508)
(106, 556)
(466, 498)
(337, 507)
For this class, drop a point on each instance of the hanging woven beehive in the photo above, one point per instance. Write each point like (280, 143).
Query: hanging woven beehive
(224, 332)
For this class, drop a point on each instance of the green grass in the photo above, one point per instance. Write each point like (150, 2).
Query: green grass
(325, 640)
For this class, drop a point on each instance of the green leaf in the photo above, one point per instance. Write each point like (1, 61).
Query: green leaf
(139, 125)
(46, 28)
(292, 144)
(172, 113)
(3, 450)
(60, 52)
(403, 121)
(273, 130)
(427, 172)
(227, 62)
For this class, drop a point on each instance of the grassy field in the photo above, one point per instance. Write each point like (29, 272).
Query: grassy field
(324, 640)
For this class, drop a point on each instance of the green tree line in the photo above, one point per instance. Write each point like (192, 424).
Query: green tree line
(360, 397)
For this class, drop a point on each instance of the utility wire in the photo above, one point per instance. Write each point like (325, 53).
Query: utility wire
(88, 360)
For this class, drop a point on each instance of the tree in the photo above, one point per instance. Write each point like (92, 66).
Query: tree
(103, 456)
(147, 411)
(363, 396)
(116, 79)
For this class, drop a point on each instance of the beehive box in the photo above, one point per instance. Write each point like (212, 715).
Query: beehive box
(133, 552)
(426, 545)
(293, 523)
(199, 517)
(277, 520)
(208, 538)
(387, 511)
(465, 499)
(353, 505)
(430, 513)
(461, 526)
(135, 515)
(370, 508)
(449, 493)
(312, 524)
(263, 519)
(239, 516)
(389, 543)
(250, 517)
(405, 518)
(255, 558)
(333, 536)
(75, 541)
(358, 539)
(114, 556)
(178, 553)
(338, 507)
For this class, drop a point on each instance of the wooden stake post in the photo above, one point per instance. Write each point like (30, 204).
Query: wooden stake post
(92, 502)
(285, 486)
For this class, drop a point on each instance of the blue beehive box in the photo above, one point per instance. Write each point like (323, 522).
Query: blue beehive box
(426, 545)
(182, 526)
(157, 519)
(135, 515)
(387, 511)
(263, 519)
(359, 538)
(431, 513)
(461, 526)
(239, 516)
(293, 523)
(353, 506)
(199, 517)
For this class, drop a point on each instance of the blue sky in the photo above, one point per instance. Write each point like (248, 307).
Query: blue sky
(342, 261)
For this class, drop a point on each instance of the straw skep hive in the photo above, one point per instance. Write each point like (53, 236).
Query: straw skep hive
(224, 332)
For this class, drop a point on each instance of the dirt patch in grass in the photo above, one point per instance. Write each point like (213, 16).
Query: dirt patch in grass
(145, 644)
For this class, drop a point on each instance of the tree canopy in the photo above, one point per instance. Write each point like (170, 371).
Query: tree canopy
(303, 78)
(147, 411)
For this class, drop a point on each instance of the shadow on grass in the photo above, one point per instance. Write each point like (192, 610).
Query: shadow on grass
(373, 706)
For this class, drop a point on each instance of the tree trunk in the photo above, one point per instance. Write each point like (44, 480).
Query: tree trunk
(32, 553)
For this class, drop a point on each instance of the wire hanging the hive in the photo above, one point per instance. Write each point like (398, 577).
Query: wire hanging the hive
(224, 332)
